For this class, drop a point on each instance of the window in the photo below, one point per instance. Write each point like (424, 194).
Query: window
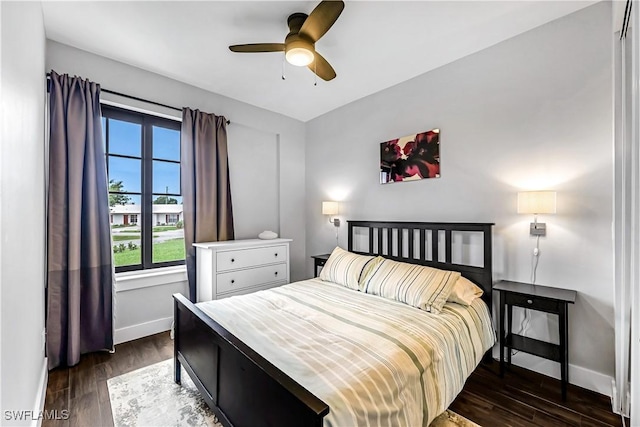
(145, 204)
(172, 218)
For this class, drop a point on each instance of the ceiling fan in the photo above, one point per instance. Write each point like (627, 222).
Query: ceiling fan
(304, 32)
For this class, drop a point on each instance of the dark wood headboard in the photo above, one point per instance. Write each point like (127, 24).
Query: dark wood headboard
(387, 239)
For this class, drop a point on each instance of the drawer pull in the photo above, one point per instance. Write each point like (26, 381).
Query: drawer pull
(529, 301)
(276, 273)
(233, 260)
(276, 254)
(233, 281)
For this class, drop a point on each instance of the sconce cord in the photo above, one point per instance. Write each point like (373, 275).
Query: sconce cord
(534, 268)
(534, 260)
(526, 320)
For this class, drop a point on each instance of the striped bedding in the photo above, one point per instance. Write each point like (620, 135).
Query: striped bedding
(374, 361)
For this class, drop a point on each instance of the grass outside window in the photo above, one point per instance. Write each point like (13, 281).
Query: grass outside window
(169, 250)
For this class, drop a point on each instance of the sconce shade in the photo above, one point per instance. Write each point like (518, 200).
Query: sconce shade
(330, 208)
(537, 202)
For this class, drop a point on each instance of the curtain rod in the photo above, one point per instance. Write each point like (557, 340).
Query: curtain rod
(135, 98)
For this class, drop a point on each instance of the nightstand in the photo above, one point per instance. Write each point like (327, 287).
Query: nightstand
(319, 261)
(539, 298)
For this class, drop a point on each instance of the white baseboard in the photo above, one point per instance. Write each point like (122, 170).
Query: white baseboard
(142, 330)
(42, 393)
(582, 377)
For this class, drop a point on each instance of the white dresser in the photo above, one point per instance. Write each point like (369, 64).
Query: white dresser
(237, 267)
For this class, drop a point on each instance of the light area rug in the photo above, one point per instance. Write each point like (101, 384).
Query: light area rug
(149, 397)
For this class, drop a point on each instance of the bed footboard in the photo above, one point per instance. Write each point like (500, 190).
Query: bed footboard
(240, 386)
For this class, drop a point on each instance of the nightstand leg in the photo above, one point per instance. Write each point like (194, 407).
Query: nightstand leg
(509, 329)
(501, 336)
(563, 323)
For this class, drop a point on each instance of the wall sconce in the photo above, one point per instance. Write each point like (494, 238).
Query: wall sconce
(537, 202)
(331, 208)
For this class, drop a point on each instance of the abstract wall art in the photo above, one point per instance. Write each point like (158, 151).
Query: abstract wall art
(411, 157)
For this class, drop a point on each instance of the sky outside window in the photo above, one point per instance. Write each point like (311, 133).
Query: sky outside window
(128, 171)
(126, 139)
(166, 144)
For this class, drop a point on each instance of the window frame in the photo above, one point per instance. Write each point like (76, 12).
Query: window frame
(145, 218)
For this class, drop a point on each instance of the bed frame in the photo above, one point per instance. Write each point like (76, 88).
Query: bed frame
(398, 240)
(244, 389)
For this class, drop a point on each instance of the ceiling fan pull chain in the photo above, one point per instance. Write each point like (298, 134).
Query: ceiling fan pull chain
(283, 67)
(315, 72)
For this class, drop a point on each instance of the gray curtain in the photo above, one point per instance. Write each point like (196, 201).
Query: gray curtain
(206, 191)
(79, 258)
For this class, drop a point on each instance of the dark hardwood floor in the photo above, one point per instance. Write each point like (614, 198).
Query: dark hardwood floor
(526, 398)
(521, 398)
(82, 390)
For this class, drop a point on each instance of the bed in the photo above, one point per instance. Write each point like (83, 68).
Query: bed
(316, 353)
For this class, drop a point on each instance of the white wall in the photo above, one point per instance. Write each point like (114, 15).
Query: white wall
(143, 301)
(254, 174)
(22, 261)
(533, 112)
(254, 133)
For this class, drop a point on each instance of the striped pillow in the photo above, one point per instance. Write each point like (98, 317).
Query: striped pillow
(422, 287)
(346, 268)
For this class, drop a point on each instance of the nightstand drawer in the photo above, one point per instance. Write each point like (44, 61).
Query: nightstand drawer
(532, 302)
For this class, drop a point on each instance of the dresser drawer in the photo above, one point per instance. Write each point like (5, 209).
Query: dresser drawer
(535, 303)
(250, 290)
(242, 258)
(251, 277)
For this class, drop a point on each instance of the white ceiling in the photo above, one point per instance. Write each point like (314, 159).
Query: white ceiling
(374, 45)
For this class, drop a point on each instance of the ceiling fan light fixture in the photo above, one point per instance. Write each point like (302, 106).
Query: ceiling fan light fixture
(299, 56)
(300, 43)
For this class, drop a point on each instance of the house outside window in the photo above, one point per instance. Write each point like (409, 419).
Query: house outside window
(145, 203)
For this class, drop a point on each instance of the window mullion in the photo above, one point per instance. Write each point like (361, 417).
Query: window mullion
(147, 196)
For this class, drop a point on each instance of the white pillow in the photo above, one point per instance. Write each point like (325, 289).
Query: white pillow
(346, 268)
(464, 292)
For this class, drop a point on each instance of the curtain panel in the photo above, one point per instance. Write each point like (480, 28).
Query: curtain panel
(79, 255)
(206, 190)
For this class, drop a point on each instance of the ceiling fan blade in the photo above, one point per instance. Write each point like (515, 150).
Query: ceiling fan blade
(257, 47)
(321, 19)
(322, 68)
